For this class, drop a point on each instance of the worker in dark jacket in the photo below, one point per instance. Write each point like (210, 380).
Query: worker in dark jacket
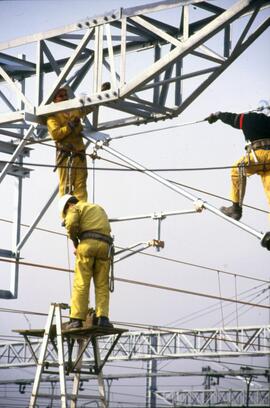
(256, 129)
(88, 227)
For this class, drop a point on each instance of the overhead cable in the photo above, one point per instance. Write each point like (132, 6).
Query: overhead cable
(127, 168)
(133, 282)
(211, 269)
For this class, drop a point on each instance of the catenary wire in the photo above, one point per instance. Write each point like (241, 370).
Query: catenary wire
(213, 308)
(151, 255)
(127, 168)
(132, 169)
(140, 283)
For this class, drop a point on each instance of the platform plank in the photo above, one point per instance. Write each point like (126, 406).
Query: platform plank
(94, 331)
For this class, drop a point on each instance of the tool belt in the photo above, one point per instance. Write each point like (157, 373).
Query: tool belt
(259, 144)
(96, 235)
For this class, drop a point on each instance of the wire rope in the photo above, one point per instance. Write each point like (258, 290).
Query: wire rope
(211, 309)
(140, 283)
(131, 169)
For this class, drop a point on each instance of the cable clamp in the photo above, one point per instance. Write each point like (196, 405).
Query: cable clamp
(199, 205)
(156, 243)
(94, 155)
(158, 216)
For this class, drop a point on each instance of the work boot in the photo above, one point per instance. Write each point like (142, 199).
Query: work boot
(234, 211)
(72, 324)
(103, 321)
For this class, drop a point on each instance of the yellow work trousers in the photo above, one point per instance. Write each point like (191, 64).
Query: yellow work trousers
(91, 262)
(73, 180)
(250, 167)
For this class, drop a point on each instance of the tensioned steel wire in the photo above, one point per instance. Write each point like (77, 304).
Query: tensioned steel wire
(182, 320)
(128, 168)
(149, 328)
(125, 167)
(211, 269)
(177, 125)
(150, 285)
(213, 308)
(178, 321)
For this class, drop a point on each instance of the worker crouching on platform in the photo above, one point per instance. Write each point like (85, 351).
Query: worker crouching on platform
(256, 129)
(88, 227)
(66, 130)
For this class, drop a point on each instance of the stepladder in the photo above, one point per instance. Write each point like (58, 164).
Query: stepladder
(61, 355)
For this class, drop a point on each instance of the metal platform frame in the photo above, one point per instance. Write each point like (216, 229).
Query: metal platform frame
(56, 335)
(252, 341)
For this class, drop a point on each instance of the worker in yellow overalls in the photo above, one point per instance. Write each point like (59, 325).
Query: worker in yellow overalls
(88, 227)
(66, 130)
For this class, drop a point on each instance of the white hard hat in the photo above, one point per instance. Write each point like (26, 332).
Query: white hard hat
(63, 202)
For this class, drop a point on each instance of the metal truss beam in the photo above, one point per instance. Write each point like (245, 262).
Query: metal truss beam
(170, 344)
(221, 397)
(216, 397)
(83, 40)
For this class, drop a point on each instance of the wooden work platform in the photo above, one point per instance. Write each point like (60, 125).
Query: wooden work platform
(82, 332)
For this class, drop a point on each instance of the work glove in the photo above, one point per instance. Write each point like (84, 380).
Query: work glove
(213, 117)
(105, 86)
(75, 122)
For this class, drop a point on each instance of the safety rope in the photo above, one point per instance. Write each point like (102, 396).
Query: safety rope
(111, 277)
(68, 180)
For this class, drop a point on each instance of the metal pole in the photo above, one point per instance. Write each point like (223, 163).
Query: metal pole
(151, 379)
(17, 212)
(34, 224)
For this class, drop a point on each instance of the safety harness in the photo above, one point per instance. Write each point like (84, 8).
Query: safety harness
(260, 144)
(250, 148)
(109, 240)
(64, 152)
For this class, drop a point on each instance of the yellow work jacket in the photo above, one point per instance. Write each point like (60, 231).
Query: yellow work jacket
(64, 136)
(85, 216)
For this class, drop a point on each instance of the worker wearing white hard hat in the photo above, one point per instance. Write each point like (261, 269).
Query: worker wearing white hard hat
(88, 227)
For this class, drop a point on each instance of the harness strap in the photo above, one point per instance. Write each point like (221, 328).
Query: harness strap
(63, 154)
(260, 143)
(96, 235)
